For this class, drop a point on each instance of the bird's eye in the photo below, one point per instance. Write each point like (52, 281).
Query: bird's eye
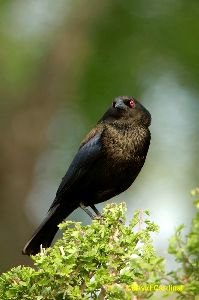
(132, 103)
(113, 104)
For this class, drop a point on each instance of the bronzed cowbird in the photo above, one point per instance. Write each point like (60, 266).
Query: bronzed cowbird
(106, 164)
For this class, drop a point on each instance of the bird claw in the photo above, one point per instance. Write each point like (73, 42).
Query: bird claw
(97, 215)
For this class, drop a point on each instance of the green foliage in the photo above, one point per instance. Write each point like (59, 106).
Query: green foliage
(108, 260)
(104, 260)
(186, 252)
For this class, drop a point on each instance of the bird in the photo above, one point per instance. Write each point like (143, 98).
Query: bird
(107, 162)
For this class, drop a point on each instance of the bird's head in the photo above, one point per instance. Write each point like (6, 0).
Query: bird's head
(127, 109)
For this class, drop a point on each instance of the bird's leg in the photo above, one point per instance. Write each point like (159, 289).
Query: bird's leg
(87, 210)
(95, 210)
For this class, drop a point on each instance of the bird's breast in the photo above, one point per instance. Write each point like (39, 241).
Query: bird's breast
(126, 146)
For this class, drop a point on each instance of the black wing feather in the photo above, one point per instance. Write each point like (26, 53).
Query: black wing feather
(82, 162)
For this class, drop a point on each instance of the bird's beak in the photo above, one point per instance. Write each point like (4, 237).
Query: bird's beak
(120, 104)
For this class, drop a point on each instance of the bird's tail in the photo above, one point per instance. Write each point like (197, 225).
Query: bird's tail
(46, 231)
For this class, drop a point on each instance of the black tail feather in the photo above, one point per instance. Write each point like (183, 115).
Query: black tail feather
(46, 231)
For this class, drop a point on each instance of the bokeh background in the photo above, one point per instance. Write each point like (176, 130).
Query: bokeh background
(61, 64)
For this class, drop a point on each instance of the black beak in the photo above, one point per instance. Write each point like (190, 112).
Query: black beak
(120, 104)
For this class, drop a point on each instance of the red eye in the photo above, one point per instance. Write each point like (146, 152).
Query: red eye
(113, 104)
(132, 103)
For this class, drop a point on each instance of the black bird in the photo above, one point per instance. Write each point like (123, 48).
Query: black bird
(106, 164)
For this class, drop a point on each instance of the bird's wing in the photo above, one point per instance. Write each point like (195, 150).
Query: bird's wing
(88, 153)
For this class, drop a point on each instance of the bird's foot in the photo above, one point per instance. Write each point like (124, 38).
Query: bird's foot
(98, 214)
(91, 215)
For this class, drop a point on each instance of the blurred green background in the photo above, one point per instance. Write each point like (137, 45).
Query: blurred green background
(61, 64)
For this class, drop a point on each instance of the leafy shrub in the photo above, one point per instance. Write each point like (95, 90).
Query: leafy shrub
(108, 260)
